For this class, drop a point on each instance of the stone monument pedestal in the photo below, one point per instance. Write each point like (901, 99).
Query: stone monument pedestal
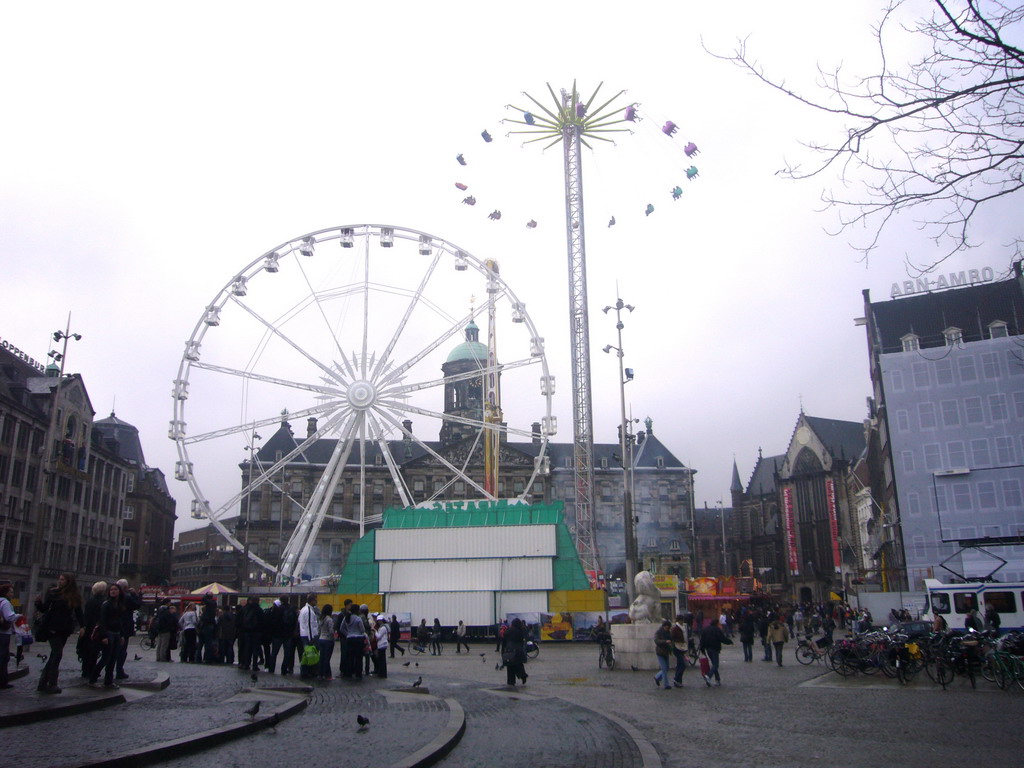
(634, 646)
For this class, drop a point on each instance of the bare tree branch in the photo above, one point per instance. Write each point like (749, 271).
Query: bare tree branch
(938, 138)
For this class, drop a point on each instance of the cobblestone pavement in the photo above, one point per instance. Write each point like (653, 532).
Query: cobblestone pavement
(570, 714)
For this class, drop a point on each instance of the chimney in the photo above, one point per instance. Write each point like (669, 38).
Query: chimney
(311, 426)
(407, 425)
(535, 428)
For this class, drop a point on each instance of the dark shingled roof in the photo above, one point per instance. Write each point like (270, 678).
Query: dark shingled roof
(645, 455)
(762, 481)
(129, 446)
(843, 439)
(970, 309)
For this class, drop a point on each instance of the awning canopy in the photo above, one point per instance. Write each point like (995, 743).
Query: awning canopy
(216, 588)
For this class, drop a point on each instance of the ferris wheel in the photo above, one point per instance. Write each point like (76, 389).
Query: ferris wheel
(349, 330)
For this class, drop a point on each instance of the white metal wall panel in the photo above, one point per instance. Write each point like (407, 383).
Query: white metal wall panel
(520, 602)
(474, 608)
(530, 573)
(465, 543)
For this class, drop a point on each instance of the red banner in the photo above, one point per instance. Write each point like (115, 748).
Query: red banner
(833, 522)
(787, 509)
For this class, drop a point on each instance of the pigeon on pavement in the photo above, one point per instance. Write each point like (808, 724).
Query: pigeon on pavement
(418, 683)
(363, 722)
(251, 711)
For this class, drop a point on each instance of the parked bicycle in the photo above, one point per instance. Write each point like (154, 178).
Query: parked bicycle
(606, 655)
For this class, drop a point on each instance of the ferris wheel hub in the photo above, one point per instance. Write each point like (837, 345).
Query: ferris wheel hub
(361, 394)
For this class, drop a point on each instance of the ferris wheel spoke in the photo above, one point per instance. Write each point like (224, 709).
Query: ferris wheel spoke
(245, 428)
(278, 465)
(296, 553)
(398, 372)
(461, 472)
(386, 354)
(315, 296)
(331, 373)
(268, 379)
(402, 389)
(475, 423)
(366, 304)
(396, 476)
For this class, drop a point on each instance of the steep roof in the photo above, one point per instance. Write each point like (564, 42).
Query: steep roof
(129, 446)
(762, 480)
(843, 439)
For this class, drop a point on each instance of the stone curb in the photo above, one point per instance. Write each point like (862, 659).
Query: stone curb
(197, 742)
(61, 708)
(443, 743)
(158, 683)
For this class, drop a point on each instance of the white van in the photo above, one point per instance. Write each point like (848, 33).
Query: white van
(954, 601)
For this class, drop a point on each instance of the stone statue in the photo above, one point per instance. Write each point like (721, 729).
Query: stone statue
(645, 609)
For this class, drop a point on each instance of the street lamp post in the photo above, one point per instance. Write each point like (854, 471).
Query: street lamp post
(721, 516)
(49, 459)
(252, 449)
(625, 375)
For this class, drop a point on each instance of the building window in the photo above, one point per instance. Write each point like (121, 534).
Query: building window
(990, 365)
(968, 370)
(1004, 450)
(997, 407)
(973, 411)
(908, 461)
(896, 379)
(902, 421)
(920, 373)
(926, 415)
(953, 336)
(1011, 493)
(910, 342)
(126, 549)
(932, 457)
(997, 329)
(980, 453)
(660, 462)
(913, 504)
(604, 463)
(378, 460)
(962, 497)
(957, 454)
(944, 372)
(128, 512)
(950, 413)
(986, 495)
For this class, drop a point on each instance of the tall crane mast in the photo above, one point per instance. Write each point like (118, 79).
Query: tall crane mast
(572, 122)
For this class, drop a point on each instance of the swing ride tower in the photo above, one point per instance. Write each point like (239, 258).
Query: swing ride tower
(575, 122)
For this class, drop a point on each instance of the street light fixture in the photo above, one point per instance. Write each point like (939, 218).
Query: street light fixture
(252, 449)
(625, 446)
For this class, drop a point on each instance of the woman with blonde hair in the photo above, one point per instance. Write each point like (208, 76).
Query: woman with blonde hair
(61, 608)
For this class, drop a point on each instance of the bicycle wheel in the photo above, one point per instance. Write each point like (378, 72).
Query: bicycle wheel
(147, 642)
(610, 657)
(533, 652)
(943, 673)
(988, 668)
(804, 654)
(844, 663)
(600, 657)
(691, 656)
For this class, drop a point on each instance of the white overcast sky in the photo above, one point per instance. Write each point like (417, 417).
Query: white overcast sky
(148, 151)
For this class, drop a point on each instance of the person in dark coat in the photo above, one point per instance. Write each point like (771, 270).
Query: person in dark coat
(63, 608)
(712, 638)
(90, 650)
(207, 646)
(748, 628)
(513, 652)
(109, 630)
(226, 633)
(249, 644)
(283, 622)
(132, 603)
(394, 635)
(762, 629)
(166, 627)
